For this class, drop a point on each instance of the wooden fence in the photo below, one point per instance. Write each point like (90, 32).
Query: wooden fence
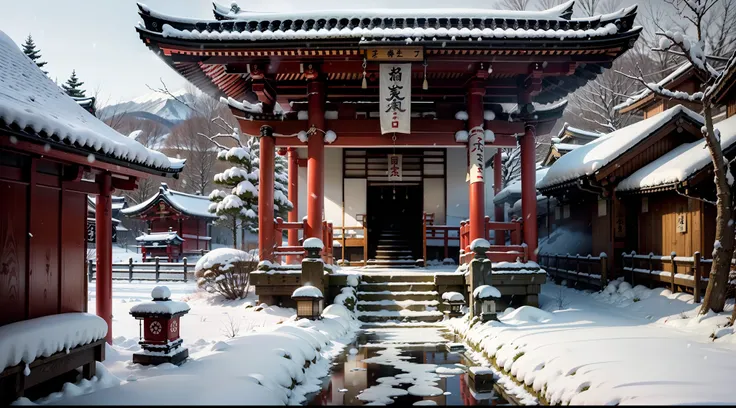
(148, 271)
(684, 272)
(592, 270)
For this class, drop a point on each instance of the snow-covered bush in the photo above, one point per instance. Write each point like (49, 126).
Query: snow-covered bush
(347, 298)
(225, 271)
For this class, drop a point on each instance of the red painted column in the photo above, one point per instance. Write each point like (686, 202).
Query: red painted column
(103, 250)
(294, 198)
(265, 194)
(315, 160)
(529, 191)
(497, 187)
(477, 161)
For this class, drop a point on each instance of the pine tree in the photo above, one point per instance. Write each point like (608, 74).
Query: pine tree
(239, 205)
(72, 87)
(29, 48)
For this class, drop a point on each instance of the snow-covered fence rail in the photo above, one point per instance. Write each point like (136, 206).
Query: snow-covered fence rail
(684, 272)
(153, 271)
(592, 270)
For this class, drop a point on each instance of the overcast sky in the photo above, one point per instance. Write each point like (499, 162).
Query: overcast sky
(98, 37)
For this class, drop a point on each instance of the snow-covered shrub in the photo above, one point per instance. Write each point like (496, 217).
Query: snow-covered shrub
(225, 271)
(346, 298)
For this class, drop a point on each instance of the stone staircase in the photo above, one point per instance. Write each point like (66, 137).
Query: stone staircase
(398, 298)
(392, 252)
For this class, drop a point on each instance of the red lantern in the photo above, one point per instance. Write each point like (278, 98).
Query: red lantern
(160, 329)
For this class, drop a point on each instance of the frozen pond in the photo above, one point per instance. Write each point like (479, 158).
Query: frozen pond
(401, 366)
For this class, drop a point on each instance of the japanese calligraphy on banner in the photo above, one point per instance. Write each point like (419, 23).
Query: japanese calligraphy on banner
(395, 54)
(394, 167)
(476, 147)
(395, 98)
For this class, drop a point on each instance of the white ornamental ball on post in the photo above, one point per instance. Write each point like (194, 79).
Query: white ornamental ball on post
(480, 246)
(161, 293)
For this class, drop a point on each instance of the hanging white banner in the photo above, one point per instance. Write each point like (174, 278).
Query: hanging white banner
(394, 167)
(476, 154)
(395, 98)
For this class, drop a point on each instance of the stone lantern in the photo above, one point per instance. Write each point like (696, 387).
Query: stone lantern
(309, 302)
(159, 324)
(453, 301)
(485, 297)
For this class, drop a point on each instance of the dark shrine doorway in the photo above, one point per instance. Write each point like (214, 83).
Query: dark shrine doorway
(395, 219)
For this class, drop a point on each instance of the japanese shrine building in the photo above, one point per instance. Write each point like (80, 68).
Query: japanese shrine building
(343, 93)
(178, 224)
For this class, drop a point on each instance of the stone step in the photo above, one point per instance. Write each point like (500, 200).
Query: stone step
(380, 257)
(394, 250)
(396, 286)
(395, 305)
(406, 277)
(397, 295)
(402, 315)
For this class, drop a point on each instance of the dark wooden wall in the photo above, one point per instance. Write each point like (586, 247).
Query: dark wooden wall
(42, 242)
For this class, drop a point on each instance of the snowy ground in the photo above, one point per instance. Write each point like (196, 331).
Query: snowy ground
(622, 346)
(238, 353)
(119, 254)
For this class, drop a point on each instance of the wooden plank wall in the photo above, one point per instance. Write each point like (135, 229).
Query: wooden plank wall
(42, 248)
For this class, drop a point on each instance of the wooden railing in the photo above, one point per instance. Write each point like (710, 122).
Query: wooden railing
(151, 271)
(497, 253)
(443, 232)
(592, 270)
(296, 253)
(684, 272)
(354, 241)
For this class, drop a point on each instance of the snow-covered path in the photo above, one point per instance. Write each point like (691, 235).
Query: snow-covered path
(609, 349)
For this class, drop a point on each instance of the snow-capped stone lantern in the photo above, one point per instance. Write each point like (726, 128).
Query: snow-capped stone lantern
(453, 302)
(485, 297)
(159, 326)
(309, 302)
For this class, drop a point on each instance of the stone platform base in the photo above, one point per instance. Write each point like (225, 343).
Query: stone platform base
(153, 359)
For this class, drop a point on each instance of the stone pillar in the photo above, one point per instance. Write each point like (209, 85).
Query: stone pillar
(315, 159)
(103, 250)
(313, 268)
(265, 194)
(476, 156)
(480, 270)
(293, 157)
(529, 191)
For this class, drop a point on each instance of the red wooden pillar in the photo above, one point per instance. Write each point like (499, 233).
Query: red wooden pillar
(477, 160)
(294, 198)
(103, 250)
(265, 194)
(315, 160)
(529, 191)
(497, 186)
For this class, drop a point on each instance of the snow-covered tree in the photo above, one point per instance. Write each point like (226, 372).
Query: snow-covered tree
(73, 87)
(693, 49)
(237, 202)
(29, 48)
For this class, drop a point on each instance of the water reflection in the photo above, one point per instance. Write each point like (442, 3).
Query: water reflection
(352, 374)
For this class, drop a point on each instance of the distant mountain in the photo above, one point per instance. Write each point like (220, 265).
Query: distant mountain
(158, 107)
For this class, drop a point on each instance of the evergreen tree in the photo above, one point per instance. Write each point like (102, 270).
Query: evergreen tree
(237, 205)
(29, 48)
(72, 87)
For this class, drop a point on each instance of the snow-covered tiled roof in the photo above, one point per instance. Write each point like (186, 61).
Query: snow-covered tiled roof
(186, 203)
(160, 237)
(724, 80)
(426, 24)
(32, 103)
(680, 163)
(591, 157)
(573, 131)
(513, 190)
(565, 147)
